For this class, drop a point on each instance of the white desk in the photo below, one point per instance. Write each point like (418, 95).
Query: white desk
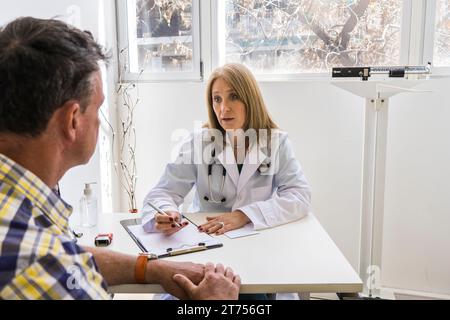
(296, 257)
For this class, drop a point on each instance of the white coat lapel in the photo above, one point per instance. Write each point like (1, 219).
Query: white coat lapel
(226, 158)
(252, 162)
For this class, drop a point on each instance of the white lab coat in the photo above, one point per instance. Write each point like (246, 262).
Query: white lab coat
(269, 199)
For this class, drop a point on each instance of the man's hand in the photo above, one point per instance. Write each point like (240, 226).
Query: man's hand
(224, 223)
(167, 224)
(162, 272)
(218, 284)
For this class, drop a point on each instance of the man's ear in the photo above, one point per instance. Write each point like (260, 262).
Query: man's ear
(70, 119)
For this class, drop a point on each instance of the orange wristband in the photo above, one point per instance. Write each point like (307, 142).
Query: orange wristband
(141, 266)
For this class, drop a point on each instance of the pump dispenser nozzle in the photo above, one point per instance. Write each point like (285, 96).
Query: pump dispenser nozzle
(87, 189)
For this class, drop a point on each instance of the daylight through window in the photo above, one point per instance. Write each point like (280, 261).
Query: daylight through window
(160, 35)
(442, 34)
(294, 36)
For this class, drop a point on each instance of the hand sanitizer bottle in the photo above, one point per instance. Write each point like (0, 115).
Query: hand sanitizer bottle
(88, 207)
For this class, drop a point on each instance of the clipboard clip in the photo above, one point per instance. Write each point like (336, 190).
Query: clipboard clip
(200, 247)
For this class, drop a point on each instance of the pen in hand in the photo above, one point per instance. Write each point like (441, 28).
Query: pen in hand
(163, 213)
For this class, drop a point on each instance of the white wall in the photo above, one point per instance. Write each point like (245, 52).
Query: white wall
(416, 246)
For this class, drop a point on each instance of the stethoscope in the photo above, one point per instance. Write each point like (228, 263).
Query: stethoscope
(263, 168)
(211, 198)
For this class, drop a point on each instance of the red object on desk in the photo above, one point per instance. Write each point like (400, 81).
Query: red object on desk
(103, 240)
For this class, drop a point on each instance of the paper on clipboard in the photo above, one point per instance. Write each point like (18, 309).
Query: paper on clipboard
(186, 238)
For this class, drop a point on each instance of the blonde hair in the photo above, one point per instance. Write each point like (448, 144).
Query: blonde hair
(242, 81)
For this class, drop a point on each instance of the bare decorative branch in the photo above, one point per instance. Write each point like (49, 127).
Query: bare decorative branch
(442, 34)
(288, 36)
(164, 32)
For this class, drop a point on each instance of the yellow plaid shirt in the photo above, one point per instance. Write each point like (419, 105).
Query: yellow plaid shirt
(39, 259)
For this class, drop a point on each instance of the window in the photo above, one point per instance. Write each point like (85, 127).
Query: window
(441, 53)
(161, 40)
(279, 39)
(297, 36)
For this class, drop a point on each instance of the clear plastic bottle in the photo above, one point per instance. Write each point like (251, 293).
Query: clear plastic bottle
(88, 207)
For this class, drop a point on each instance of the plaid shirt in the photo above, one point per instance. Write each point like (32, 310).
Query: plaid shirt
(38, 257)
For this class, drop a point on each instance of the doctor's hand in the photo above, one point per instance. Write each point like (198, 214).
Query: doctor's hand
(218, 284)
(167, 224)
(224, 223)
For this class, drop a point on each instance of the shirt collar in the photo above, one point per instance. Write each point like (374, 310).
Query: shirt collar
(36, 191)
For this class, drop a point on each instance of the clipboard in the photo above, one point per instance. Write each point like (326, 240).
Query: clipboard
(187, 240)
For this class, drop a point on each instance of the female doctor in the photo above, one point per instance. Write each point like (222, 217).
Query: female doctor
(240, 164)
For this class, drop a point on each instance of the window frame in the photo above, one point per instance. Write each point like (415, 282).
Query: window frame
(217, 8)
(208, 27)
(125, 20)
(429, 37)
